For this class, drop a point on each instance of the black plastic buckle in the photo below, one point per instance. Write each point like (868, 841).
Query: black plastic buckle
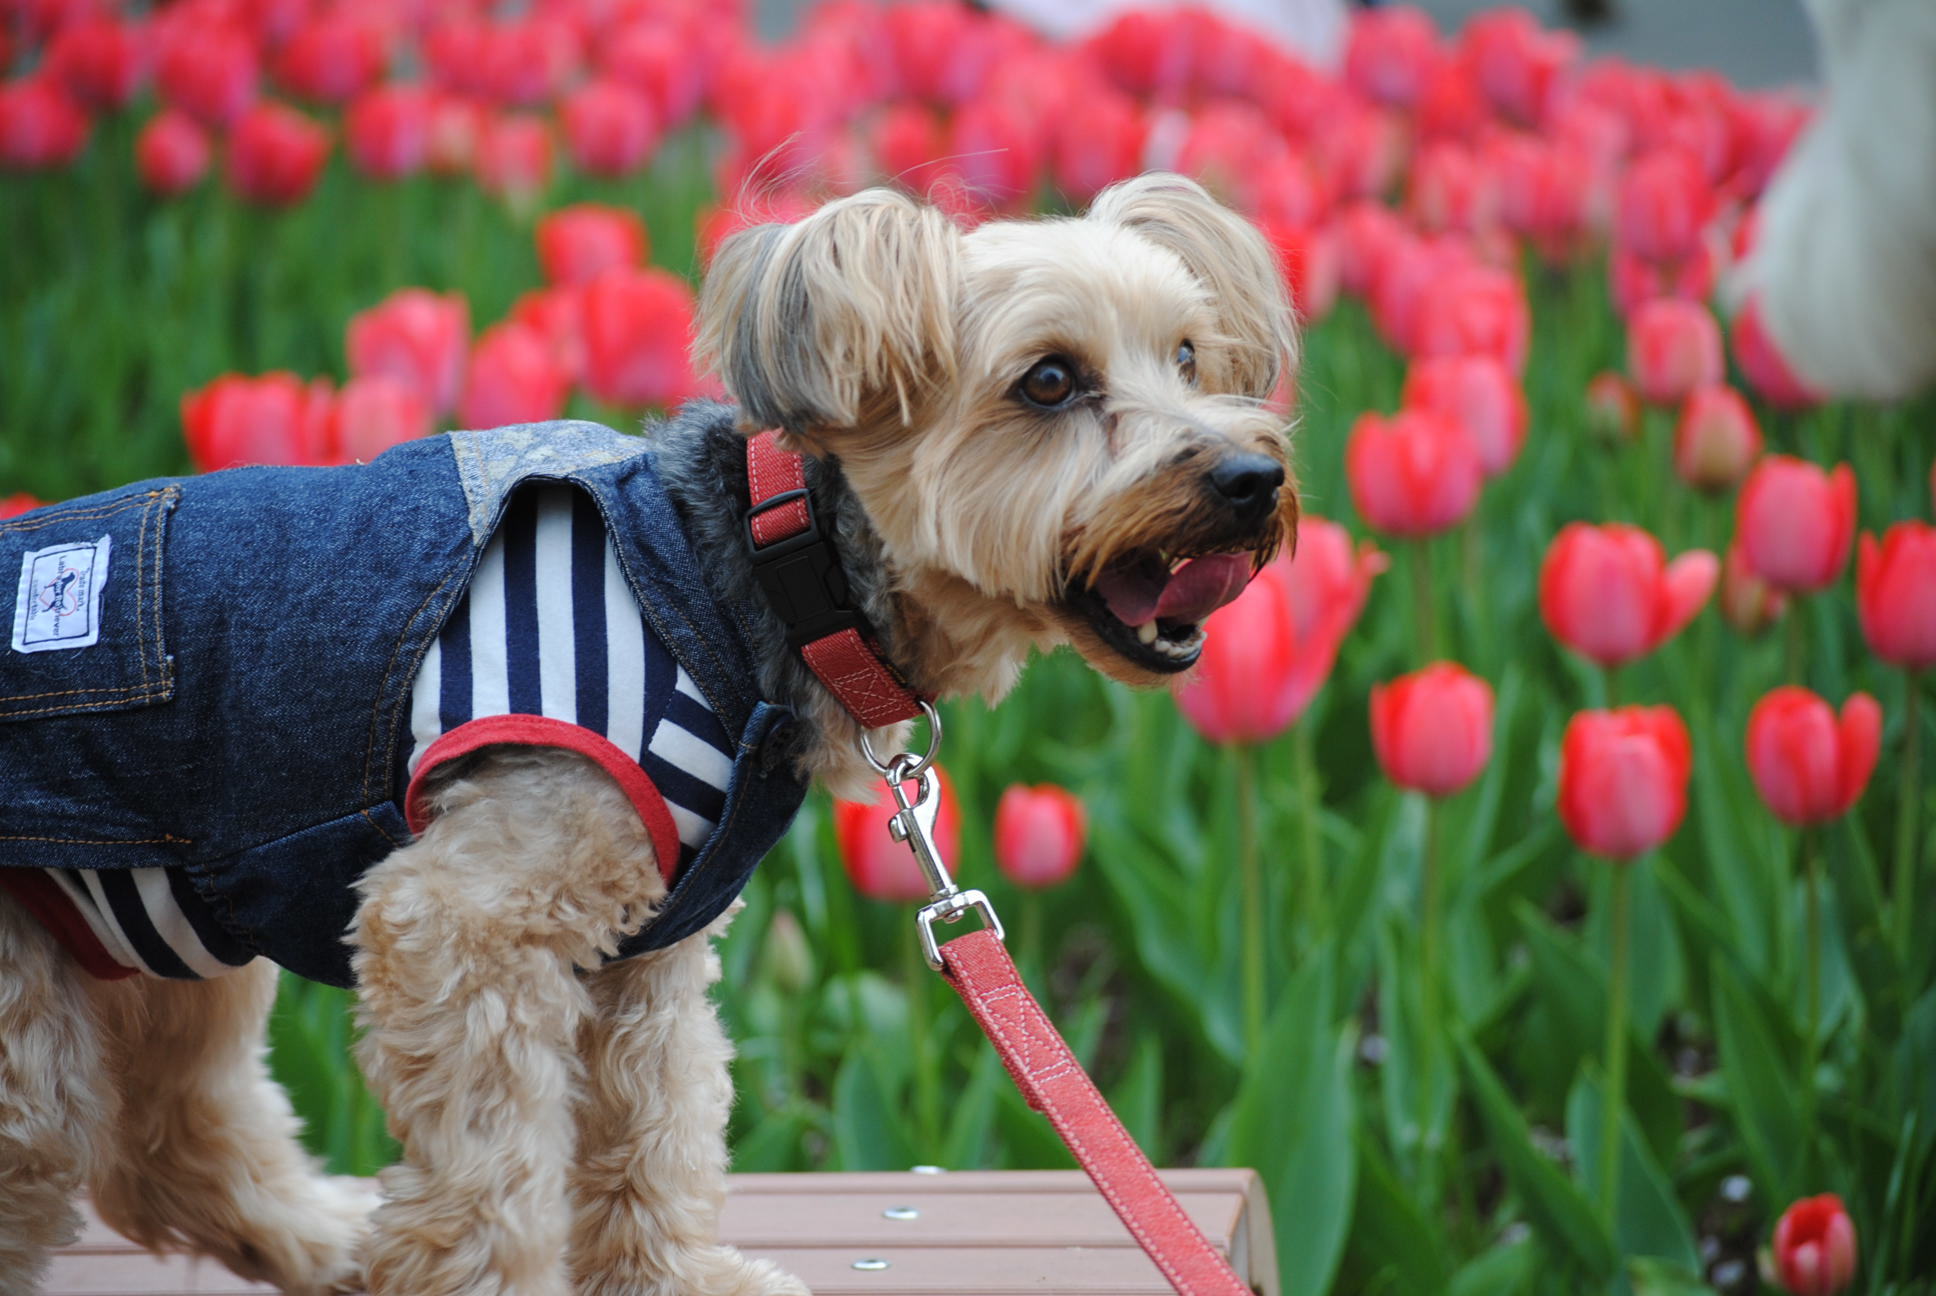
(801, 577)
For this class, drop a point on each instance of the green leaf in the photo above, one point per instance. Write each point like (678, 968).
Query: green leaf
(1292, 1120)
(1760, 1060)
(1138, 1096)
(1417, 1081)
(1550, 1201)
(972, 1111)
(1391, 1238)
(1505, 1270)
(1648, 1220)
(1653, 1277)
(868, 1133)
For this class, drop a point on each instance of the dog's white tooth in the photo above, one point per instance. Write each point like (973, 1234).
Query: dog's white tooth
(1147, 632)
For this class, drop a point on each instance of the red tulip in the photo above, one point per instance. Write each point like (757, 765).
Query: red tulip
(274, 419)
(1449, 190)
(1039, 834)
(39, 125)
(1480, 310)
(415, 336)
(208, 71)
(1763, 364)
(1633, 280)
(1808, 764)
(576, 243)
(1609, 593)
(1665, 205)
(1409, 269)
(387, 130)
(610, 129)
(172, 152)
(374, 413)
(276, 155)
(1612, 408)
(330, 58)
(1796, 522)
(880, 867)
(1414, 474)
(1240, 690)
(1366, 232)
(638, 326)
(1516, 63)
(1432, 729)
(17, 503)
(101, 61)
(1895, 592)
(1481, 394)
(1717, 439)
(1815, 1252)
(1390, 53)
(1749, 603)
(1623, 779)
(557, 316)
(1097, 141)
(513, 158)
(996, 151)
(657, 60)
(515, 376)
(1327, 582)
(1673, 346)
(1544, 192)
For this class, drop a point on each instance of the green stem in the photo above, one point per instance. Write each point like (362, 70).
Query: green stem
(1810, 847)
(1422, 610)
(1309, 795)
(1795, 640)
(1253, 876)
(1615, 1056)
(1429, 902)
(927, 1089)
(1903, 894)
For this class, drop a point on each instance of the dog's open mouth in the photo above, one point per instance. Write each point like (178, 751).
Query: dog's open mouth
(1150, 606)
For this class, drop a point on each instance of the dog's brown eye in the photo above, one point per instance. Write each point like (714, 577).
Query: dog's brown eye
(1049, 383)
(1186, 360)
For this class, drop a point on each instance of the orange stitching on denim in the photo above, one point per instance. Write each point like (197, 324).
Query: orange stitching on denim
(31, 697)
(71, 707)
(369, 747)
(381, 830)
(161, 526)
(41, 522)
(140, 563)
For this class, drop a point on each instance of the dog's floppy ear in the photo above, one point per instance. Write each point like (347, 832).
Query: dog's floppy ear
(843, 316)
(1228, 256)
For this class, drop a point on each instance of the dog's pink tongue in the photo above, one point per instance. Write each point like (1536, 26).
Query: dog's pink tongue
(1132, 592)
(1202, 585)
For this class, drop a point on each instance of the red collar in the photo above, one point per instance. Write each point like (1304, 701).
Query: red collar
(799, 571)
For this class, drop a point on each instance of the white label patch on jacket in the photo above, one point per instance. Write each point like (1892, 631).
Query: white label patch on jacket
(59, 603)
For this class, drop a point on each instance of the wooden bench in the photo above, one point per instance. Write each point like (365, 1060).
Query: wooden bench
(966, 1233)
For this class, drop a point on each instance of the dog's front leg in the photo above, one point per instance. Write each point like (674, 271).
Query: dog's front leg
(651, 1171)
(466, 946)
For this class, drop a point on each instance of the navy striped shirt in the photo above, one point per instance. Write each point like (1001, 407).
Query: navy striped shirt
(548, 645)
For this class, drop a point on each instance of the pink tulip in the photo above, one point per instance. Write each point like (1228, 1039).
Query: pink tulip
(1450, 190)
(330, 58)
(274, 419)
(374, 413)
(610, 129)
(557, 315)
(1749, 603)
(1665, 205)
(1814, 1246)
(1673, 347)
(1366, 232)
(1432, 729)
(1414, 474)
(513, 158)
(39, 125)
(1717, 439)
(1479, 310)
(1633, 280)
(1623, 779)
(1609, 593)
(1240, 689)
(101, 61)
(457, 129)
(276, 155)
(209, 71)
(1390, 53)
(1039, 834)
(638, 328)
(1796, 523)
(657, 60)
(1895, 592)
(1481, 394)
(416, 336)
(386, 130)
(515, 376)
(1809, 765)
(1612, 408)
(172, 152)
(576, 244)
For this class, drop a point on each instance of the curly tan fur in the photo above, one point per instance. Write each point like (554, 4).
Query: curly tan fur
(562, 1119)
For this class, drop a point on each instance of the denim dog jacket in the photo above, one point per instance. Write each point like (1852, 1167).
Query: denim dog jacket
(215, 676)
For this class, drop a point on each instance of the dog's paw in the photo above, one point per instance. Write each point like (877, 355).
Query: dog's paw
(333, 1241)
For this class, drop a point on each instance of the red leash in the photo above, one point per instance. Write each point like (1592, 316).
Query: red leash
(798, 568)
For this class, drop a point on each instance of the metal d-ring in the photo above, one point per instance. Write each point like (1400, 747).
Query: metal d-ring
(900, 762)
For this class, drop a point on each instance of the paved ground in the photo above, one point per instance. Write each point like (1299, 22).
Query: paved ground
(1753, 42)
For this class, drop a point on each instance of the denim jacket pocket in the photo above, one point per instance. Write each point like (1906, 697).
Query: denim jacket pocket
(84, 606)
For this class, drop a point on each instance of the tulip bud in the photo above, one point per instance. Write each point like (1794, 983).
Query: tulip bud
(880, 867)
(39, 125)
(1414, 474)
(276, 155)
(1796, 523)
(1612, 408)
(1609, 593)
(610, 129)
(1808, 764)
(1815, 1251)
(417, 336)
(1749, 603)
(1665, 205)
(1895, 592)
(1673, 347)
(172, 152)
(638, 327)
(1432, 729)
(1039, 834)
(1623, 779)
(516, 376)
(17, 503)
(513, 158)
(387, 130)
(788, 955)
(375, 413)
(274, 419)
(576, 243)
(1717, 439)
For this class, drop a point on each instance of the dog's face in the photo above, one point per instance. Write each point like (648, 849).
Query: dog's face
(1057, 426)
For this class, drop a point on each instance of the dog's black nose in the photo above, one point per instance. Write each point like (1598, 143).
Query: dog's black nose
(1247, 482)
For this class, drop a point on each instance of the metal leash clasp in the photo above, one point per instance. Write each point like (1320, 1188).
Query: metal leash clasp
(913, 824)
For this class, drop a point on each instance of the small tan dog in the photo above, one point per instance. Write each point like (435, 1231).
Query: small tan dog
(1028, 434)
